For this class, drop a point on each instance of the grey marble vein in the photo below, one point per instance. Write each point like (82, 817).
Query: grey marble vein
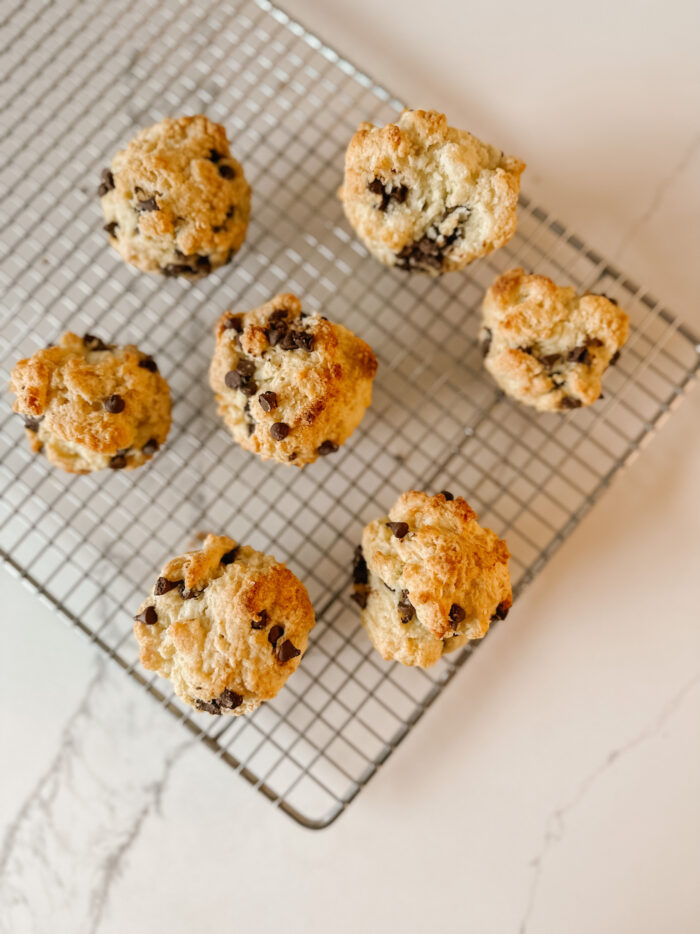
(68, 842)
(555, 825)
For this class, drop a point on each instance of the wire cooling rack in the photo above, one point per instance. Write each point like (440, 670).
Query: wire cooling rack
(78, 80)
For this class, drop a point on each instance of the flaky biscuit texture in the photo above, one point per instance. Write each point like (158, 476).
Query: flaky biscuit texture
(226, 625)
(425, 196)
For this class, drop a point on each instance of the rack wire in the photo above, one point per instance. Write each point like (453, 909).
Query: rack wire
(78, 80)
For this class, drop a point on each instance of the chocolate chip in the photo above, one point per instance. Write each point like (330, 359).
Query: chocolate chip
(268, 401)
(229, 557)
(94, 343)
(456, 615)
(208, 706)
(261, 622)
(277, 314)
(163, 585)
(176, 269)
(229, 700)
(150, 204)
(234, 323)
(286, 652)
(288, 341)
(360, 598)
(117, 462)
(377, 187)
(360, 574)
(275, 335)
(106, 184)
(279, 430)
(215, 155)
(398, 529)
(579, 355)
(147, 616)
(568, 402)
(233, 379)
(547, 360)
(274, 634)
(110, 228)
(245, 367)
(304, 340)
(615, 357)
(406, 609)
(501, 610)
(227, 171)
(486, 342)
(327, 447)
(203, 264)
(150, 447)
(31, 423)
(114, 404)
(148, 363)
(448, 496)
(249, 388)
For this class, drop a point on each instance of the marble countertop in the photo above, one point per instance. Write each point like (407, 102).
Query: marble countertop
(554, 786)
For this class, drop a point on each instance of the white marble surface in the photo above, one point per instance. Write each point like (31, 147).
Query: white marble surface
(554, 786)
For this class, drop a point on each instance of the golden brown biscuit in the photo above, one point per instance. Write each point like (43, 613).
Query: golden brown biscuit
(546, 346)
(90, 405)
(175, 201)
(226, 625)
(429, 578)
(423, 195)
(290, 386)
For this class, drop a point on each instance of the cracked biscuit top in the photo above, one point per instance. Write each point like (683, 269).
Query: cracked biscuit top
(422, 195)
(175, 201)
(226, 625)
(290, 386)
(545, 345)
(89, 405)
(428, 578)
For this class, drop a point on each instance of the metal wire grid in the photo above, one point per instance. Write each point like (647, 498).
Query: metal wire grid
(78, 82)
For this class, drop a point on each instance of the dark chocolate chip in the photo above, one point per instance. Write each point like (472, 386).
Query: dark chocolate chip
(275, 335)
(288, 341)
(286, 652)
(229, 699)
(327, 447)
(360, 574)
(579, 355)
(279, 430)
(277, 314)
(406, 609)
(117, 462)
(176, 269)
(501, 610)
(106, 184)
(31, 423)
(234, 323)
(398, 529)
(377, 187)
(456, 615)
(448, 496)
(215, 155)
(94, 343)
(233, 379)
(110, 228)
(230, 556)
(227, 171)
(249, 388)
(274, 634)
(208, 706)
(360, 598)
(568, 402)
(547, 360)
(149, 204)
(615, 357)
(245, 367)
(114, 404)
(304, 340)
(486, 342)
(203, 264)
(147, 616)
(261, 622)
(163, 585)
(148, 363)
(268, 401)
(150, 447)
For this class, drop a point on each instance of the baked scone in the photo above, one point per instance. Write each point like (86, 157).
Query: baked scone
(90, 405)
(175, 201)
(226, 625)
(423, 195)
(290, 386)
(545, 345)
(428, 578)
